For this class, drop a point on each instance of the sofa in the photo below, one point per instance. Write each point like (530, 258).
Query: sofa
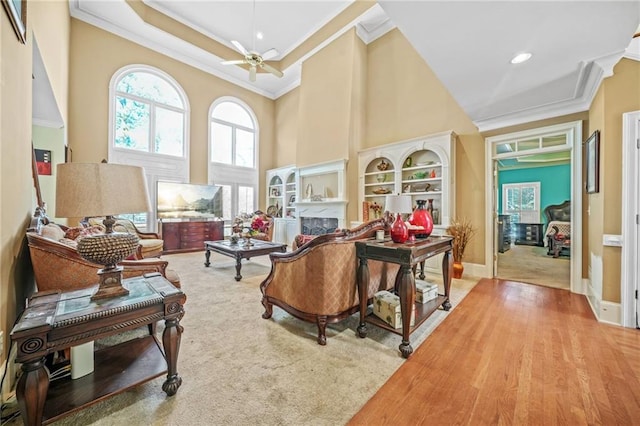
(317, 281)
(58, 266)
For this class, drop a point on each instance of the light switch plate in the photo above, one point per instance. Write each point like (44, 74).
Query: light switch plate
(612, 240)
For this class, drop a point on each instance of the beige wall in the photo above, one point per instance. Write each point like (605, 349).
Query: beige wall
(324, 115)
(618, 94)
(50, 22)
(89, 98)
(286, 128)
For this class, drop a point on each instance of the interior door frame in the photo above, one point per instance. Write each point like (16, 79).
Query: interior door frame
(630, 209)
(574, 133)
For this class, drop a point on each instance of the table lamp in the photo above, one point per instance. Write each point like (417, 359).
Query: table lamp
(398, 204)
(103, 189)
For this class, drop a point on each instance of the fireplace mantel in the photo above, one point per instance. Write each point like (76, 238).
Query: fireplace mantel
(324, 209)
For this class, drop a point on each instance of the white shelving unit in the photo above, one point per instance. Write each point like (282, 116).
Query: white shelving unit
(281, 198)
(421, 168)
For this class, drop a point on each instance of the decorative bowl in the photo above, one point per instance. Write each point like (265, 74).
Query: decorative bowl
(380, 191)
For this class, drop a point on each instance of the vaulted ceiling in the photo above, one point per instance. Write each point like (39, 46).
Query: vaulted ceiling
(468, 45)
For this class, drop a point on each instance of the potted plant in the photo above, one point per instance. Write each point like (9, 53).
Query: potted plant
(462, 231)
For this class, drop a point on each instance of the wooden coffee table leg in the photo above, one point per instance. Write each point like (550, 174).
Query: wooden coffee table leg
(238, 277)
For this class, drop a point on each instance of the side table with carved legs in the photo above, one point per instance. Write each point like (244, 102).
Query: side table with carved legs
(57, 320)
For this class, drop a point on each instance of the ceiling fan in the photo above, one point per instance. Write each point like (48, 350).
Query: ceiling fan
(253, 58)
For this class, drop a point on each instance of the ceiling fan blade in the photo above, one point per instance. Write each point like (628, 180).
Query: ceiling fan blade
(252, 73)
(234, 62)
(240, 47)
(272, 70)
(271, 53)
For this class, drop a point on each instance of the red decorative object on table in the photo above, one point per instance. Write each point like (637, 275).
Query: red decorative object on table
(422, 217)
(399, 231)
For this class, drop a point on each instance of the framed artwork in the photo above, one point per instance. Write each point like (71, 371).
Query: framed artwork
(17, 11)
(43, 161)
(592, 158)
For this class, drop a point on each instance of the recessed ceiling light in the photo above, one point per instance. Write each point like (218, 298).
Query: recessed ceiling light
(520, 58)
(259, 35)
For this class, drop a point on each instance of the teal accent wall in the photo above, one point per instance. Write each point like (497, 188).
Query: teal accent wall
(555, 184)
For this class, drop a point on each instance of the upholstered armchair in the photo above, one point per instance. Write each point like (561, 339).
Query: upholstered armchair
(150, 243)
(317, 282)
(58, 266)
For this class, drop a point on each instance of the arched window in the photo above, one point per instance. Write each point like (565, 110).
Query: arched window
(149, 114)
(232, 135)
(233, 147)
(149, 127)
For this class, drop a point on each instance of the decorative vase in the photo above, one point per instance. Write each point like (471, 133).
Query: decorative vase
(247, 240)
(458, 269)
(399, 231)
(422, 217)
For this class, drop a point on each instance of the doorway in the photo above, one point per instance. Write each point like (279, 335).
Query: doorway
(559, 145)
(630, 274)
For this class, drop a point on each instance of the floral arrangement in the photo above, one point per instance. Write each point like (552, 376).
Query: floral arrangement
(462, 231)
(250, 224)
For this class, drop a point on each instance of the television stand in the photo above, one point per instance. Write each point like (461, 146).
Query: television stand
(182, 236)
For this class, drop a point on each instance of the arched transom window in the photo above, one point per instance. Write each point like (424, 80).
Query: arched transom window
(233, 135)
(149, 114)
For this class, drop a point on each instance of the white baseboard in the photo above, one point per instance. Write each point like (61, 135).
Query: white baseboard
(610, 313)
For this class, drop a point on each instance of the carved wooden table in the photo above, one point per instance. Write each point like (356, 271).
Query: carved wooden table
(408, 256)
(57, 320)
(240, 251)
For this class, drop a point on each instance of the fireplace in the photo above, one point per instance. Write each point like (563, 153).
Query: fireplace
(318, 225)
(317, 218)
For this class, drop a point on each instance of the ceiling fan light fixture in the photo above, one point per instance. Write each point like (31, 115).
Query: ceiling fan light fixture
(521, 57)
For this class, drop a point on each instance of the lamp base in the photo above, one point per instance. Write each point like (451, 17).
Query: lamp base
(110, 284)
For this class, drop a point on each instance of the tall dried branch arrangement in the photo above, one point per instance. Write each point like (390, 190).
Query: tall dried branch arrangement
(461, 230)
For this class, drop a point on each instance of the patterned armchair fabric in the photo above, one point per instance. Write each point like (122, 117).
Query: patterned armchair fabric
(58, 266)
(150, 242)
(317, 282)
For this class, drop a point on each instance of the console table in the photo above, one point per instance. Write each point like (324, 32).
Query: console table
(57, 320)
(408, 256)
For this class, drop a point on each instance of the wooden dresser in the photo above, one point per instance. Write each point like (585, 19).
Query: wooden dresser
(190, 235)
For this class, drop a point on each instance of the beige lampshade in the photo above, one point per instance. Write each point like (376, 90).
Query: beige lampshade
(398, 204)
(100, 189)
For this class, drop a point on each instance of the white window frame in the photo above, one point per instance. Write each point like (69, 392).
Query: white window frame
(156, 166)
(530, 216)
(227, 174)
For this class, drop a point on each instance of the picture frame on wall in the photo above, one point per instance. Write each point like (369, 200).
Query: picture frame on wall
(17, 11)
(43, 161)
(592, 158)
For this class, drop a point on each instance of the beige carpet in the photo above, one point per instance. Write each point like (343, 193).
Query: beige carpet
(531, 264)
(240, 369)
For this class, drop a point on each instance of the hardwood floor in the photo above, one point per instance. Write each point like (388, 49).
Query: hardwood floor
(515, 354)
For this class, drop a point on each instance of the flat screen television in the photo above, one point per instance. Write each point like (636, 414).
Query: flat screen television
(188, 201)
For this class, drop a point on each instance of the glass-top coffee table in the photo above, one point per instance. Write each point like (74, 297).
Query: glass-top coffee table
(240, 250)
